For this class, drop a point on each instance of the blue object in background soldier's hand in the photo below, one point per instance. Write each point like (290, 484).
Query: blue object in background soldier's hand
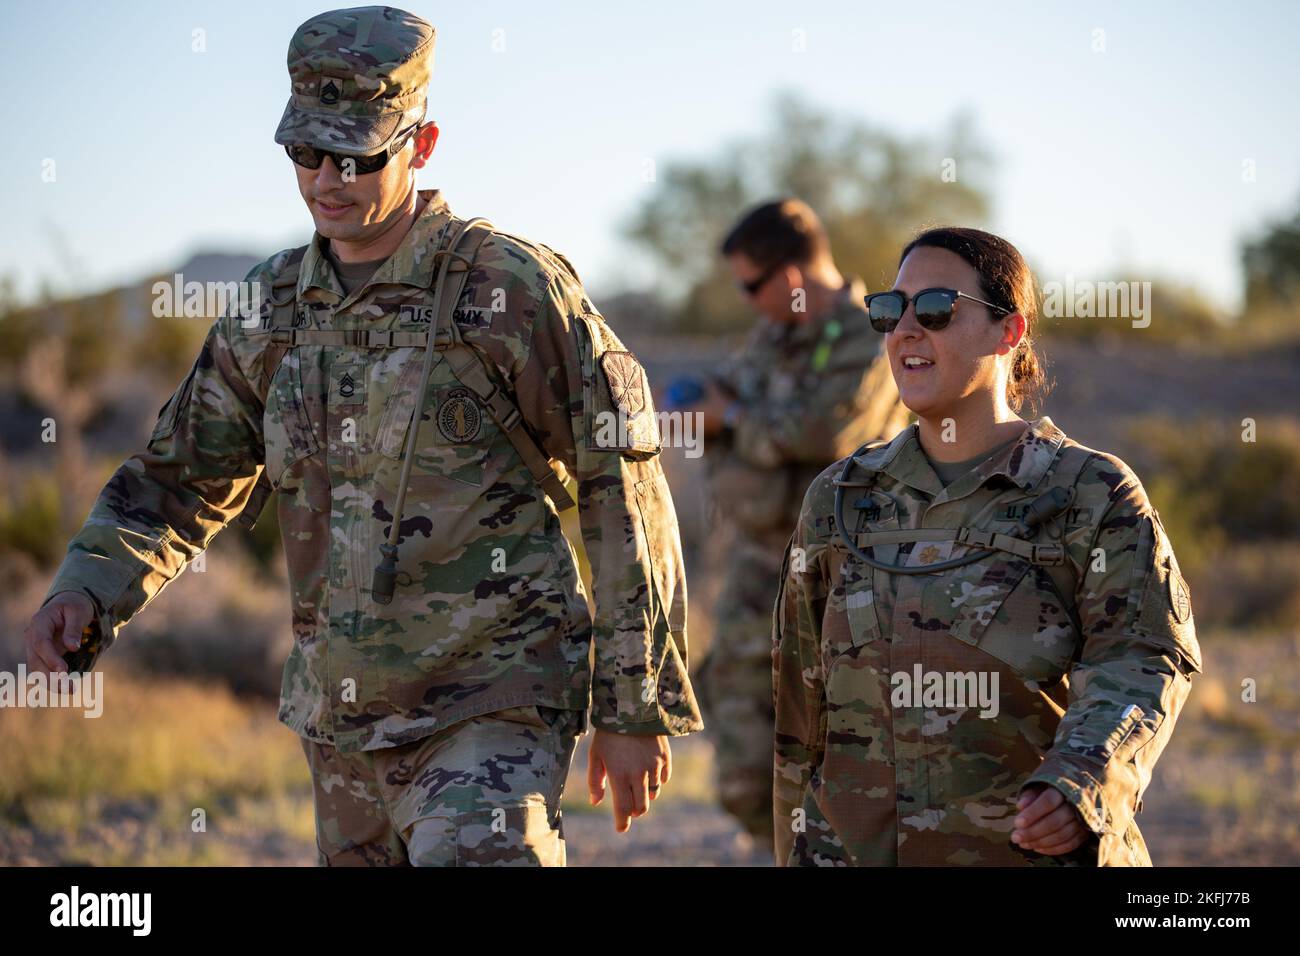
(684, 392)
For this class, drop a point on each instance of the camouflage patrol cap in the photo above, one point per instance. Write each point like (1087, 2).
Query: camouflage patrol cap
(358, 76)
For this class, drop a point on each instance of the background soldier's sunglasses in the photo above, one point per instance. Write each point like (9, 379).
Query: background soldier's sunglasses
(934, 308)
(751, 287)
(309, 157)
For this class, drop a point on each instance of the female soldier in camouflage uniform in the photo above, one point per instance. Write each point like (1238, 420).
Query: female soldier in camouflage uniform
(982, 640)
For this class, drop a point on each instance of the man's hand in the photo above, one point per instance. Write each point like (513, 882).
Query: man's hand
(1045, 823)
(636, 766)
(712, 406)
(61, 621)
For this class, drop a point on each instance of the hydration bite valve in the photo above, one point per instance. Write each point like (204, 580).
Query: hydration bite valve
(1047, 506)
(385, 582)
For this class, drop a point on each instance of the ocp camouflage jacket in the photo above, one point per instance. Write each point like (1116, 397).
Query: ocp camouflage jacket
(489, 611)
(1092, 658)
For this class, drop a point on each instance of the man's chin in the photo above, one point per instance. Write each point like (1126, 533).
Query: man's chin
(333, 229)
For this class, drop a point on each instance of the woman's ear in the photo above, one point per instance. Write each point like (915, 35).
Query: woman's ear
(1013, 330)
(425, 139)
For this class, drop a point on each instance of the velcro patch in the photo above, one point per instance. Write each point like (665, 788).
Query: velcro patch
(459, 416)
(418, 314)
(928, 552)
(473, 316)
(626, 380)
(1180, 599)
(348, 384)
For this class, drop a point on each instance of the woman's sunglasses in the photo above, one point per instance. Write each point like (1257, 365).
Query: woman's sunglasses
(309, 157)
(934, 308)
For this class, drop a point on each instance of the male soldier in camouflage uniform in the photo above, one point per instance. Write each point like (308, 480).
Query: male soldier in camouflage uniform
(809, 386)
(439, 676)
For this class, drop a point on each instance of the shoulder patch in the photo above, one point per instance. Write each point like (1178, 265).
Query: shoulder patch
(1180, 599)
(620, 408)
(626, 381)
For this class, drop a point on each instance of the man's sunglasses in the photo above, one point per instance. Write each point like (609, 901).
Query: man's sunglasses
(751, 287)
(309, 157)
(934, 308)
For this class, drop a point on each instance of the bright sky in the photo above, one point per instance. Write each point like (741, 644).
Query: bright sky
(1134, 154)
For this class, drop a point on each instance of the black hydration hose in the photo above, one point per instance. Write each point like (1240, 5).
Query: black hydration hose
(385, 578)
(1043, 508)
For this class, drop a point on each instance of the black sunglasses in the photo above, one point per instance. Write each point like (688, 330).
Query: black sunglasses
(751, 287)
(309, 157)
(934, 308)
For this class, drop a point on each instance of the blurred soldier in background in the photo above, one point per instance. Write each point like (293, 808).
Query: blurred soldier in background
(810, 384)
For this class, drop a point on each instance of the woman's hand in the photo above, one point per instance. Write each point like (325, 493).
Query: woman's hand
(1045, 823)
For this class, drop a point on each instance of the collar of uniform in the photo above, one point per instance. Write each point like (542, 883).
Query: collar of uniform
(412, 263)
(1024, 463)
(316, 271)
(902, 459)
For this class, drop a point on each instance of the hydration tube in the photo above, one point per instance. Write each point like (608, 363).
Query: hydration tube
(385, 579)
(1043, 508)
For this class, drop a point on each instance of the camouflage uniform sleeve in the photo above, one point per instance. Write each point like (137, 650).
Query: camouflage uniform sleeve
(575, 378)
(798, 692)
(806, 428)
(163, 506)
(1135, 668)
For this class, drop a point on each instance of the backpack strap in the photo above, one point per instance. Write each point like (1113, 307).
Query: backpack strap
(280, 330)
(1047, 555)
(286, 339)
(1050, 556)
(1063, 576)
(470, 366)
(467, 367)
(284, 298)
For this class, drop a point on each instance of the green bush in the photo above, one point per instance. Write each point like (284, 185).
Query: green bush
(1249, 490)
(29, 519)
(1232, 510)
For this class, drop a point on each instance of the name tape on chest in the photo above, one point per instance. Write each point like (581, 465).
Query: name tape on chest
(417, 314)
(467, 316)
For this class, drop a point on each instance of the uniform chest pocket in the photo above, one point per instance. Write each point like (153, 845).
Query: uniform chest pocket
(851, 619)
(293, 463)
(857, 589)
(456, 430)
(286, 426)
(860, 603)
(1010, 609)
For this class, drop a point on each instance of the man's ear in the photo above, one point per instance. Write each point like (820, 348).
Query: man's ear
(794, 277)
(425, 139)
